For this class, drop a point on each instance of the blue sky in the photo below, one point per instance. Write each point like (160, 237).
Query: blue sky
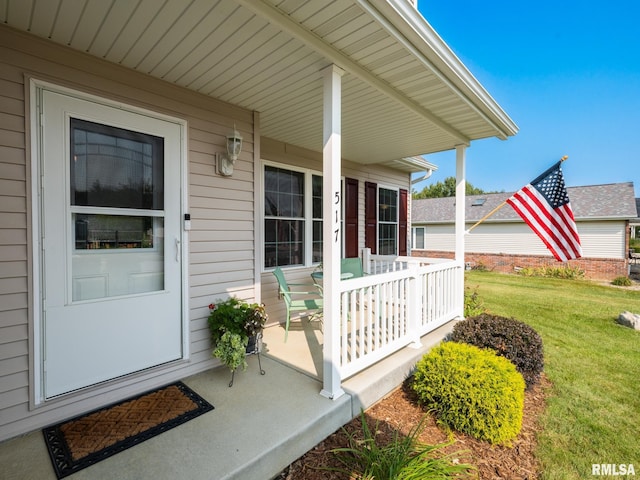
(567, 73)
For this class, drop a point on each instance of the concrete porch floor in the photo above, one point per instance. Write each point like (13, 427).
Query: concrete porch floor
(258, 427)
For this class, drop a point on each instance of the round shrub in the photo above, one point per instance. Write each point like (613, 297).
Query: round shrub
(621, 281)
(471, 390)
(509, 337)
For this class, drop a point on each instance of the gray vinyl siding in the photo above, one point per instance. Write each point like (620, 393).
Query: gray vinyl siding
(516, 238)
(221, 241)
(603, 239)
(14, 330)
(599, 239)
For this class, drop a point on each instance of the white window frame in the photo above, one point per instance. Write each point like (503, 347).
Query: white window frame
(308, 212)
(379, 222)
(414, 236)
(307, 209)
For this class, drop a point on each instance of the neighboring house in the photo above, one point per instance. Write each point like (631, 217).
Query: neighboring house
(120, 217)
(635, 223)
(503, 242)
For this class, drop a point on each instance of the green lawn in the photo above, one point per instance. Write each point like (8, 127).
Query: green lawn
(593, 413)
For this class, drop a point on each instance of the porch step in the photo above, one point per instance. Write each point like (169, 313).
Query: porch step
(266, 422)
(378, 381)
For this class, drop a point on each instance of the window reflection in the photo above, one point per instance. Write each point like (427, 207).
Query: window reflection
(113, 167)
(387, 221)
(94, 232)
(284, 217)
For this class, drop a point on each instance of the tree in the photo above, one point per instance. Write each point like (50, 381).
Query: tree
(446, 188)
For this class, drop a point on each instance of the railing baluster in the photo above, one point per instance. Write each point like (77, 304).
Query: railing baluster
(370, 319)
(343, 329)
(387, 311)
(354, 326)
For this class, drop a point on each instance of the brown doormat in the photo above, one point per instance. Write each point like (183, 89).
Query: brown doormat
(84, 440)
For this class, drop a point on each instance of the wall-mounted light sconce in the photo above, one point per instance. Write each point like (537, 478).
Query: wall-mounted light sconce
(224, 162)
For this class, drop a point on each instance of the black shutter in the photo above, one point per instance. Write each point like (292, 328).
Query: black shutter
(371, 216)
(351, 218)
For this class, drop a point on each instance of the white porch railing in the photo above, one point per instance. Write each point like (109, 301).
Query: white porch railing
(402, 299)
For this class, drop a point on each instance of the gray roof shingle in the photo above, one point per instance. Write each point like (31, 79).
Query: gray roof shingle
(595, 202)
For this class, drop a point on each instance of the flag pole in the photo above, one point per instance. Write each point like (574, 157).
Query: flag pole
(487, 216)
(499, 207)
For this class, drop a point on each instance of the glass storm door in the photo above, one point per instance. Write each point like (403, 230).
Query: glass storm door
(111, 238)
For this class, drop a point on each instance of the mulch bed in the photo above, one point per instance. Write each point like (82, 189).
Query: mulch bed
(400, 411)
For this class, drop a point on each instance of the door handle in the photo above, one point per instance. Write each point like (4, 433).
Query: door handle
(177, 249)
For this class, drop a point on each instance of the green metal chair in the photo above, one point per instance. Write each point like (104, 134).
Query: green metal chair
(296, 300)
(352, 266)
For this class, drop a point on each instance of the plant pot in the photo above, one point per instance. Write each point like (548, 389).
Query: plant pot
(255, 344)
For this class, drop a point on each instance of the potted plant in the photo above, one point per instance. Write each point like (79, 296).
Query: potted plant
(233, 323)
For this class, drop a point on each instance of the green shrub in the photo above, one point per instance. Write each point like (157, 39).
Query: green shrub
(403, 458)
(480, 267)
(509, 337)
(622, 281)
(567, 272)
(472, 303)
(472, 390)
(526, 271)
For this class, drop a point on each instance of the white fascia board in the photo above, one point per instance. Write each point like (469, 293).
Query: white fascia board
(416, 32)
(411, 164)
(420, 163)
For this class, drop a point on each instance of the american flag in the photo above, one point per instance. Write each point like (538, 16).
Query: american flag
(544, 205)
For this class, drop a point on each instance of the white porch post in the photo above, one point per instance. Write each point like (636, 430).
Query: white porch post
(461, 182)
(366, 260)
(331, 208)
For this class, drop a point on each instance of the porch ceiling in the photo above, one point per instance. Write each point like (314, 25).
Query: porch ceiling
(404, 91)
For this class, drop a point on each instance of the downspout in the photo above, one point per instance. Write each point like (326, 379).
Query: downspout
(426, 175)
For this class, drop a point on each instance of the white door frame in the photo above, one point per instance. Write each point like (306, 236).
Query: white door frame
(36, 86)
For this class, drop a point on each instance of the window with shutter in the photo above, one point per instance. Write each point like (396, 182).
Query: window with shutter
(402, 222)
(386, 220)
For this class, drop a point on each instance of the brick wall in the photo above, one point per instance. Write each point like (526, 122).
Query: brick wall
(594, 268)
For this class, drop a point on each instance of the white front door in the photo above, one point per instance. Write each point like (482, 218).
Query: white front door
(111, 238)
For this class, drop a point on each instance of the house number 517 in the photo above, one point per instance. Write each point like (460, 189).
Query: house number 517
(336, 210)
